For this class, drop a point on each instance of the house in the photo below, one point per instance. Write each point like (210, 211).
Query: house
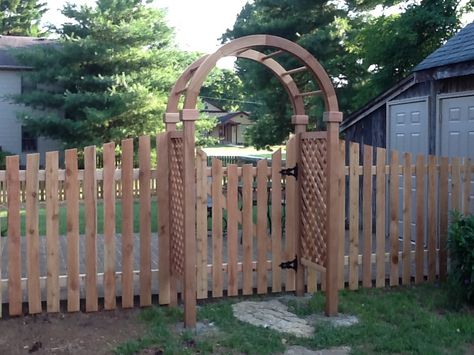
(13, 137)
(429, 112)
(231, 125)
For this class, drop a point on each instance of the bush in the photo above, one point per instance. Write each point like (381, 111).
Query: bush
(3, 159)
(461, 251)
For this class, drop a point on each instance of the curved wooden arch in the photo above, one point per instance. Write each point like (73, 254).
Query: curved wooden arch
(287, 81)
(248, 42)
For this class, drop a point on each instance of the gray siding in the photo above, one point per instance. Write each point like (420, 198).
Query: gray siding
(10, 126)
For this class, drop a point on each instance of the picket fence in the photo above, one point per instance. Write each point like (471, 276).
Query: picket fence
(397, 211)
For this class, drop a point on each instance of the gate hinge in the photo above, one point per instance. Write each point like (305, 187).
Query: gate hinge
(290, 171)
(292, 264)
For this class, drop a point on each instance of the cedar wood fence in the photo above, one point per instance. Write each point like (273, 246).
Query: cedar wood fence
(396, 207)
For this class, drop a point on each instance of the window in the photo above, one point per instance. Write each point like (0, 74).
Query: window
(29, 142)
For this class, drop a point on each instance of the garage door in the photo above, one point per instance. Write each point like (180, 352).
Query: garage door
(457, 129)
(408, 132)
(408, 126)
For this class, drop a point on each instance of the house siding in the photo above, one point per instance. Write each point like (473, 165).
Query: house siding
(10, 126)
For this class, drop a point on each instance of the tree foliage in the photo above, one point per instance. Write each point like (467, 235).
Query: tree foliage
(107, 77)
(21, 17)
(364, 54)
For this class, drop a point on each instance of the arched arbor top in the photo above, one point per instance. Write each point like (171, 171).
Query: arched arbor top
(191, 80)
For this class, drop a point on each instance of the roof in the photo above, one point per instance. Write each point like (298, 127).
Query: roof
(7, 43)
(377, 102)
(457, 49)
(224, 119)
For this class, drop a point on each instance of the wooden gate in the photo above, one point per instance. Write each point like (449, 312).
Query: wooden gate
(313, 213)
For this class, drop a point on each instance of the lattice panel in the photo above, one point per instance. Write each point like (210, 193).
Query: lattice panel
(313, 197)
(177, 206)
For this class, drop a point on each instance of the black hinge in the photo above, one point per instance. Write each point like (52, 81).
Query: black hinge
(292, 264)
(290, 171)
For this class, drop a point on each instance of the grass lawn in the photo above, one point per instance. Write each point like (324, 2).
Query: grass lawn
(100, 218)
(401, 320)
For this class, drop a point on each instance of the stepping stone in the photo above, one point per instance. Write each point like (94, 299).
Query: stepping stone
(274, 315)
(300, 350)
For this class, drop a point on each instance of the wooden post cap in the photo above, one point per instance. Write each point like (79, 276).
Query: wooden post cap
(300, 119)
(189, 114)
(332, 116)
(171, 117)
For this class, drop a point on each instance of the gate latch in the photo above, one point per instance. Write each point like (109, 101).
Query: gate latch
(292, 264)
(290, 171)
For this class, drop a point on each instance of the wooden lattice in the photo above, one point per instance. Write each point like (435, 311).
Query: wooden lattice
(313, 197)
(177, 206)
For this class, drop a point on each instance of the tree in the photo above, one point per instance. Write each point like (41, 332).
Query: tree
(363, 54)
(21, 17)
(107, 77)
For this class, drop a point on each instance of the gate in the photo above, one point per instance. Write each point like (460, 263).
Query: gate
(317, 191)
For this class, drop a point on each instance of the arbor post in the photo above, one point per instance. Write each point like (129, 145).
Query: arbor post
(188, 116)
(334, 181)
(300, 122)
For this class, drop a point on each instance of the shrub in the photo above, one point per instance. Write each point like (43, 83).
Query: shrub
(461, 251)
(3, 160)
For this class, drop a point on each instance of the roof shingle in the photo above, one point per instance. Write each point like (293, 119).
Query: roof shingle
(457, 49)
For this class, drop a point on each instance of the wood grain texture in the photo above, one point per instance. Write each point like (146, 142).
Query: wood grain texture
(467, 186)
(420, 218)
(262, 226)
(290, 218)
(90, 201)
(394, 219)
(14, 253)
(353, 216)
(432, 220)
(380, 218)
(276, 214)
(72, 217)
(164, 242)
(443, 216)
(52, 232)
(407, 219)
(342, 225)
(456, 184)
(201, 223)
(367, 216)
(145, 220)
(189, 180)
(232, 229)
(247, 230)
(127, 224)
(217, 275)
(32, 234)
(109, 226)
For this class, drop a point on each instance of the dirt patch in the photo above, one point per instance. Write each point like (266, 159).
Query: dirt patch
(64, 333)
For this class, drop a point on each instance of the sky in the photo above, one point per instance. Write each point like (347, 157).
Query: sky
(198, 24)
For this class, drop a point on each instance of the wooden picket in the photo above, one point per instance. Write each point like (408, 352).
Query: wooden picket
(251, 211)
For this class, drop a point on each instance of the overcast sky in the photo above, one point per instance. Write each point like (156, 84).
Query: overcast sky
(198, 24)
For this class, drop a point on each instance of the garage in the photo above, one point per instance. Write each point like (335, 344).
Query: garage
(457, 125)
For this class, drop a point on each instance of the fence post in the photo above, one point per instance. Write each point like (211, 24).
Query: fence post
(300, 122)
(333, 206)
(188, 116)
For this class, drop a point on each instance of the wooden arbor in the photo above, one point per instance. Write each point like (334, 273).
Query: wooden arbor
(316, 246)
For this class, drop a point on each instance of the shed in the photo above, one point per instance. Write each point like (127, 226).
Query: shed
(429, 112)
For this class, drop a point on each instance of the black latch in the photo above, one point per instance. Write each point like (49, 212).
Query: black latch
(292, 264)
(290, 171)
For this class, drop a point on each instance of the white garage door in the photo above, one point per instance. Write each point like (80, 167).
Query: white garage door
(457, 129)
(408, 126)
(408, 132)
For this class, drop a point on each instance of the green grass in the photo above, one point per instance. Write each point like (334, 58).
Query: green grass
(100, 218)
(406, 320)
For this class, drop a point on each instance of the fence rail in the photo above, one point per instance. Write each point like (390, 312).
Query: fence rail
(397, 208)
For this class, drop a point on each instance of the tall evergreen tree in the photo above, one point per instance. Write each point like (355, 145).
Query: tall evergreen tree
(363, 54)
(106, 78)
(21, 17)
